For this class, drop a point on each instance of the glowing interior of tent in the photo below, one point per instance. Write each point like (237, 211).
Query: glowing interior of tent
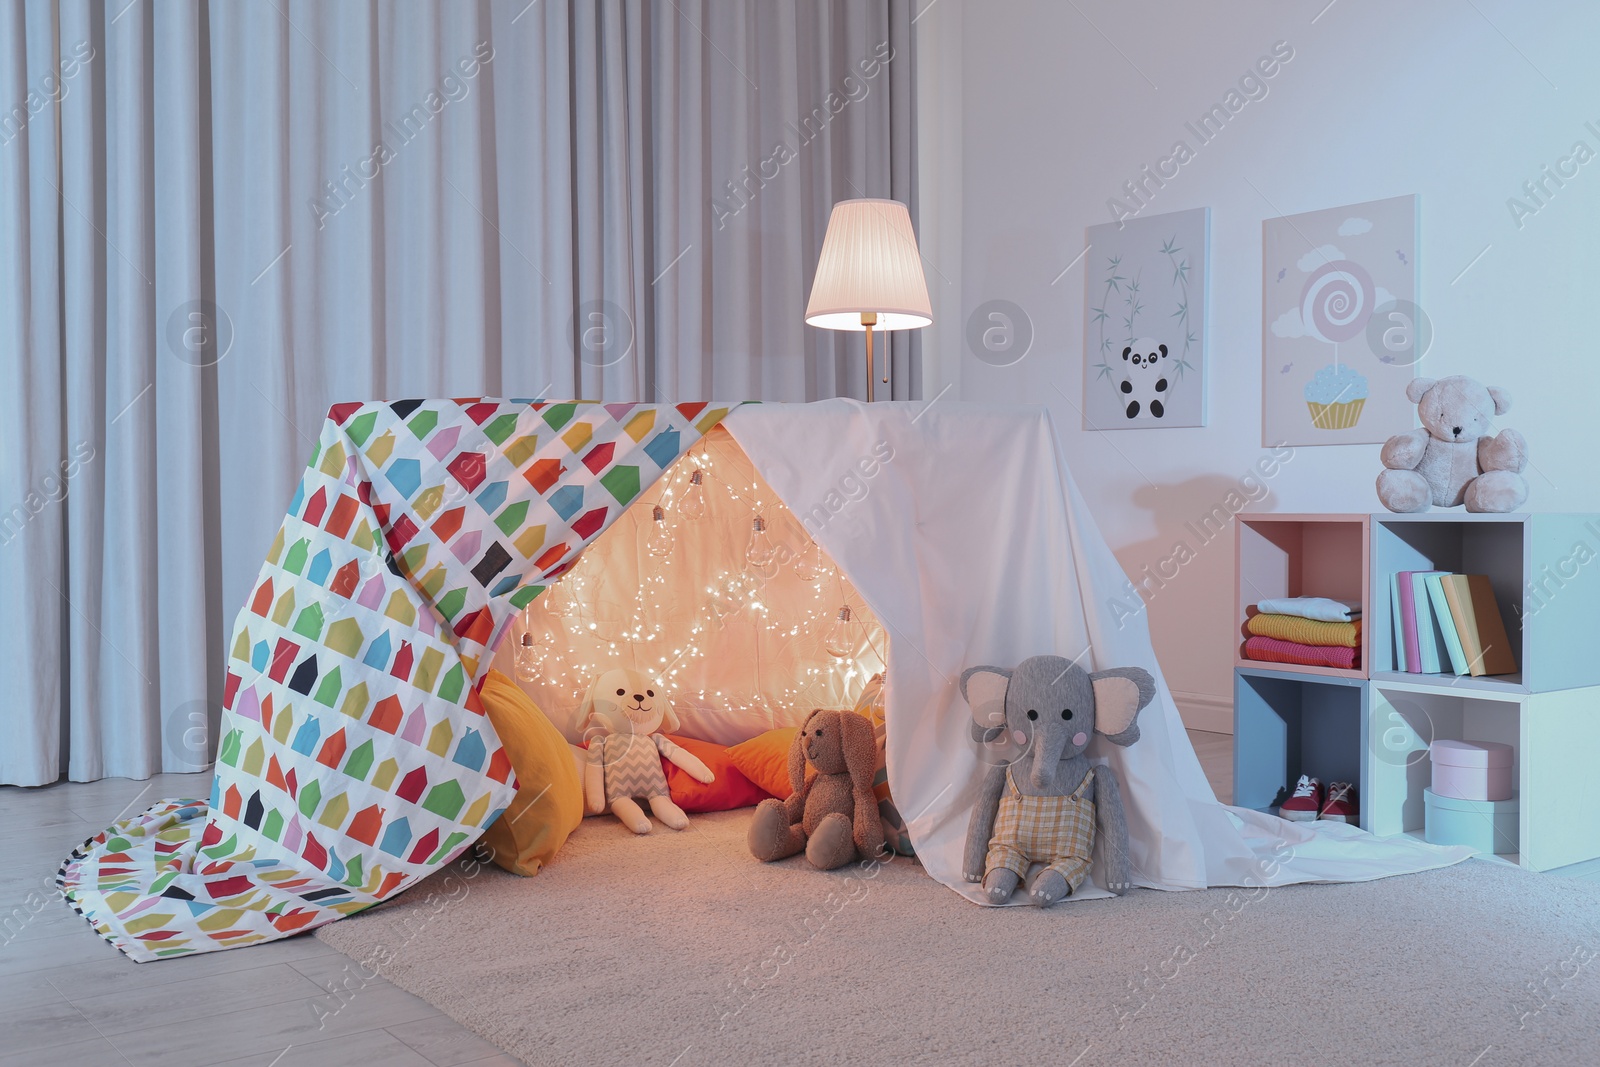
(711, 585)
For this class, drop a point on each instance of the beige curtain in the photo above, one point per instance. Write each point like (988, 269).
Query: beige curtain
(216, 220)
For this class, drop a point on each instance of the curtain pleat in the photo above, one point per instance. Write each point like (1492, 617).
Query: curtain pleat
(218, 219)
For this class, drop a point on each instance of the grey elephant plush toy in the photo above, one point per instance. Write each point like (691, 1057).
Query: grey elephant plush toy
(1041, 801)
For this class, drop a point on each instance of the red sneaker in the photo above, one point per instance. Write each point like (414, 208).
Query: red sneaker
(1306, 802)
(1341, 803)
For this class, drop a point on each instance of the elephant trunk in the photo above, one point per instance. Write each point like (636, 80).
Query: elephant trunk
(1047, 748)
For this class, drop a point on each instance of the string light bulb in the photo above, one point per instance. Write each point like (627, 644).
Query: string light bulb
(810, 565)
(836, 642)
(693, 504)
(758, 552)
(527, 658)
(659, 543)
(559, 598)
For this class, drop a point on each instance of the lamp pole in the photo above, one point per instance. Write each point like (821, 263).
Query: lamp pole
(869, 319)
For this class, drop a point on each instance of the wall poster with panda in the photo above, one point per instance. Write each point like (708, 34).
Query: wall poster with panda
(1144, 335)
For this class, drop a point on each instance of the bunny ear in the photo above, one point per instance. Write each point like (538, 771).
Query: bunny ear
(797, 755)
(860, 749)
(586, 709)
(1119, 695)
(669, 717)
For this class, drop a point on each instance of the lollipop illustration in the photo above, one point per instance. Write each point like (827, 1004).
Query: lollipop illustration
(1335, 306)
(1337, 301)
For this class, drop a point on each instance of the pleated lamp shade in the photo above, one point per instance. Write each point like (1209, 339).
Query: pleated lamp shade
(869, 263)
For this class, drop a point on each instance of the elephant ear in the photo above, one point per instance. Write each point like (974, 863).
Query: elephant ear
(985, 691)
(1119, 695)
(1501, 398)
(1416, 387)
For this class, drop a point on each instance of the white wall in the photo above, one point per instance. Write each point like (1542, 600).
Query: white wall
(1459, 102)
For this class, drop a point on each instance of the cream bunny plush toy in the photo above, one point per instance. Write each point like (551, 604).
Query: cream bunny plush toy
(622, 713)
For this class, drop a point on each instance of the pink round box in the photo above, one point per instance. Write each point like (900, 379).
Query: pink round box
(1472, 770)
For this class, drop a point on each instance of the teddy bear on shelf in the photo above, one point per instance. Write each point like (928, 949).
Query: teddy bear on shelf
(623, 712)
(832, 815)
(1450, 459)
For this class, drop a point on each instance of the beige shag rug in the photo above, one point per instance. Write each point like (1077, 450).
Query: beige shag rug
(679, 949)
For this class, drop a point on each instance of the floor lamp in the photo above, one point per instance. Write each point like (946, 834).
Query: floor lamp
(869, 276)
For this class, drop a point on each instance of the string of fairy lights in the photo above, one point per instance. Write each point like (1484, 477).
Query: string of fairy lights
(791, 597)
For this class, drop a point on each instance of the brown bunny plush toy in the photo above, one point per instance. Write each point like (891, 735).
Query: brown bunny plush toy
(832, 813)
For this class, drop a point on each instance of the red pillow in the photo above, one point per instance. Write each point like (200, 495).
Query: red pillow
(730, 790)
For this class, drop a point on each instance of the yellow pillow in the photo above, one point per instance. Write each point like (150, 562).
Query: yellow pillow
(549, 801)
(764, 759)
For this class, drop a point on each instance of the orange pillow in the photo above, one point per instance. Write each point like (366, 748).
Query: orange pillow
(549, 801)
(730, 790)
(764, 759)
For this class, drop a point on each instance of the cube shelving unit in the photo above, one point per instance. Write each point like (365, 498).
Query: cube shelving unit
(1373, 725)
(1287, 724)
(1301, 555)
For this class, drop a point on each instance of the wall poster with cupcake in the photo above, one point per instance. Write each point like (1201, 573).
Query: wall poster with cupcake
(1338, 307)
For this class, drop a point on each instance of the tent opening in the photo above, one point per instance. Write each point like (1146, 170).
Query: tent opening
(712, 586)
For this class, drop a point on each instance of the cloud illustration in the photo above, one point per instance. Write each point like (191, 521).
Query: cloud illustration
(1354, 227)
(1318, 256)
(1288, 324)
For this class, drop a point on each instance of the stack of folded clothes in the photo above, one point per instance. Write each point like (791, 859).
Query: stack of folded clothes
(1310, 631)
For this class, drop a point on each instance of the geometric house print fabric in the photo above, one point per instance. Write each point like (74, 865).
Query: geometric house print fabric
(355, 758)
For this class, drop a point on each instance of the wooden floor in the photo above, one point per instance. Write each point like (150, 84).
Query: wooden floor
(68, 998)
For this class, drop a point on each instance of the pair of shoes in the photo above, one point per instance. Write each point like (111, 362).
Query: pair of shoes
(1308, 802)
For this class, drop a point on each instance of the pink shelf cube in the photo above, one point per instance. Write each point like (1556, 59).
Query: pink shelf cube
(1301, 554)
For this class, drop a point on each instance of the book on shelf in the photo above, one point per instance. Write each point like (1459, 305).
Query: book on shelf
(1446, 624)
(1429, 640)
(1484, 640)
(1401, 661)
(1408, 623)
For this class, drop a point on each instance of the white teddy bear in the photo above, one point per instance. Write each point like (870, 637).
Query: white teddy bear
(1144, 378)
(624, 714)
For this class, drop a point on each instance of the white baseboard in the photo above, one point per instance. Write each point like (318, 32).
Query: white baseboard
(1201, 711)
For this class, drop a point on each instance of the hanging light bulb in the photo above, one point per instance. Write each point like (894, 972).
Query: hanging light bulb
(659, 544)
(836, 642)
(527, 658)
(693, 504)
(810, 566)
(559, 599)
(758, 552)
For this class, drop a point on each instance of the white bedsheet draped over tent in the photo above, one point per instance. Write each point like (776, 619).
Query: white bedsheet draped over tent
(972, 544)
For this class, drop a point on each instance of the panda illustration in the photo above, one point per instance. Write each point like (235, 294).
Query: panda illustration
(1144, 378)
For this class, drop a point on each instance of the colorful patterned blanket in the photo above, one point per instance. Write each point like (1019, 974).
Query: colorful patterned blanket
(355, 758)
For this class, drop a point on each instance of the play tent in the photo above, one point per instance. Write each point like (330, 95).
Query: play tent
(355, 758)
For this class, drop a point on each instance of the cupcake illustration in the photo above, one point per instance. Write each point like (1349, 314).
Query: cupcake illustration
(1336, 394)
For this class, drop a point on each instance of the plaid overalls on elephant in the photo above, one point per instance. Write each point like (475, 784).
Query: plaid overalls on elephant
(1055, 831)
